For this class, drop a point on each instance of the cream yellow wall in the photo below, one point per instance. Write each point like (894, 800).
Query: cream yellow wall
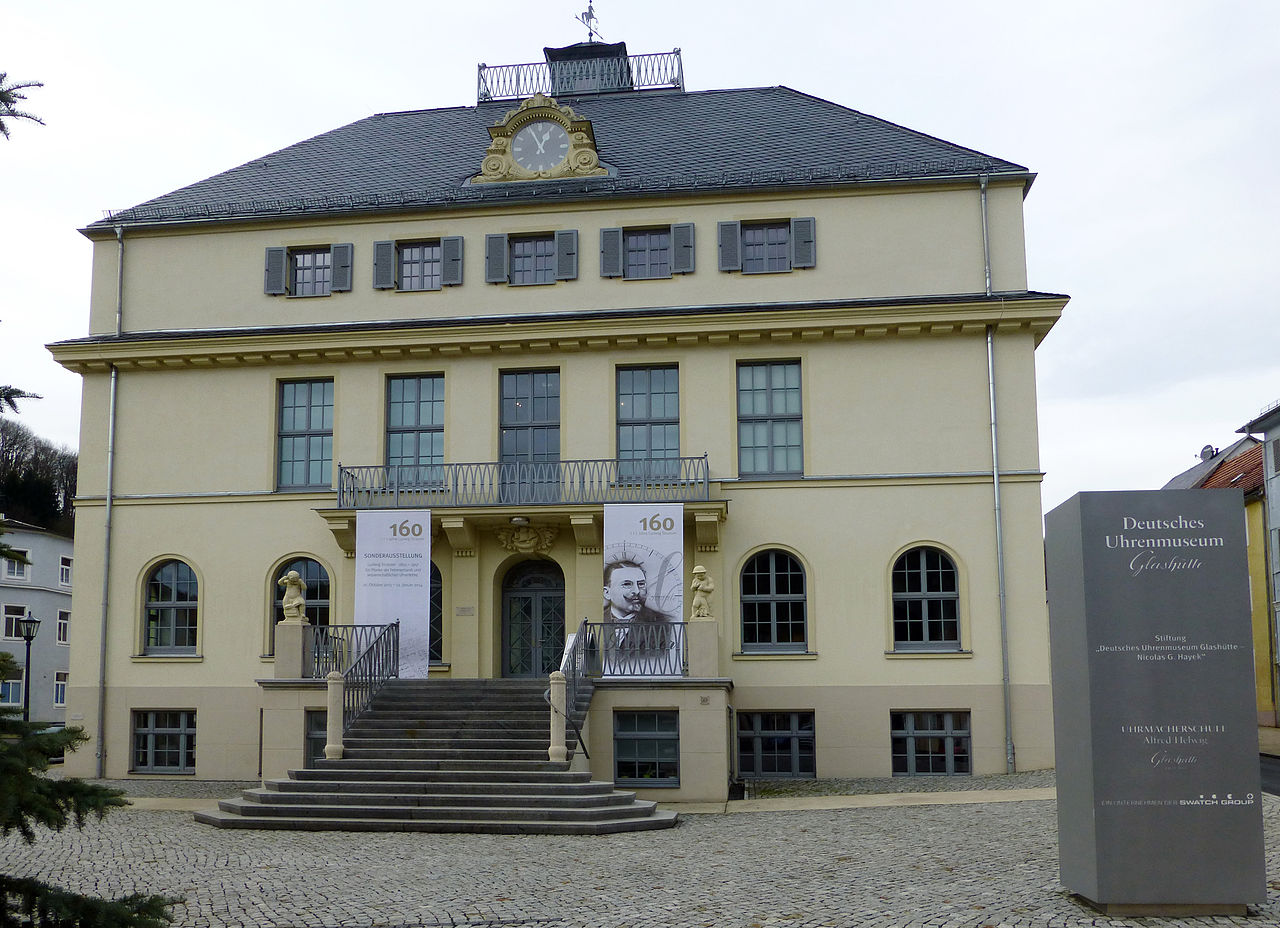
(1260, 611)
(887, 406)
(887, 242)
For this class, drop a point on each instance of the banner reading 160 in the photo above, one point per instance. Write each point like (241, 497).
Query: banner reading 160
(406, 529)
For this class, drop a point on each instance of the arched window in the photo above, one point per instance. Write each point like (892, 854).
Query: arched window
(926, 601)
(317, 595)
(436, 644)
(170, 614)
(773, 603)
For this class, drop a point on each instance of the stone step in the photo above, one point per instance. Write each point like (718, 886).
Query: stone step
(420, 775)
(446, 756)
(656, 820)
(439, 787)
(533, 812)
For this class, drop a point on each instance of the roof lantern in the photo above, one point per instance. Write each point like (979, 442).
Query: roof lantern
(581, 69)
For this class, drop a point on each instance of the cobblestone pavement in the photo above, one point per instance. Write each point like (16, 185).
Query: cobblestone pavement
(974, 865)
(862, 786)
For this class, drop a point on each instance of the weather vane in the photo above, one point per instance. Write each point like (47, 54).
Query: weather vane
(588, 19)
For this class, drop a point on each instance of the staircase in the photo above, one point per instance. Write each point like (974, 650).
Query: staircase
(446, 756)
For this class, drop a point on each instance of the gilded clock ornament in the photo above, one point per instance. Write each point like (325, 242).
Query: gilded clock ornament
(539, 140)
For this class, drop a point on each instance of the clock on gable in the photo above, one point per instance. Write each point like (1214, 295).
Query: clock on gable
(539, 140)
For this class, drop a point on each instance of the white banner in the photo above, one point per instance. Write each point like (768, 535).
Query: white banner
(393, 579)
(643, 587)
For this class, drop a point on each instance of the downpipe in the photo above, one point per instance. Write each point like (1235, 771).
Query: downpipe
(101, 742)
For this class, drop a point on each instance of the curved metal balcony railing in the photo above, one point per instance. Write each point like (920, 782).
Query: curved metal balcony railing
(590, 75)
(547, 483)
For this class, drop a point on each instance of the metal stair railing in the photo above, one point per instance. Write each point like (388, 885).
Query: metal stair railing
(367, 656)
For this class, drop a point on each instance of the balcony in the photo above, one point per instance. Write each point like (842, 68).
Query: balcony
(497, 484)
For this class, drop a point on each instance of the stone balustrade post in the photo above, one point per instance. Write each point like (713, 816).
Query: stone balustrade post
(333, 723)
(556, 752)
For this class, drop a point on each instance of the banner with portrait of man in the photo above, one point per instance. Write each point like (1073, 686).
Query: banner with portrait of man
(643, 589)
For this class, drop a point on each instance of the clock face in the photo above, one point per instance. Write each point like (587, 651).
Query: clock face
(540, 146)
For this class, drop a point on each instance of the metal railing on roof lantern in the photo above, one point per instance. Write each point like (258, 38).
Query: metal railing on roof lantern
(606, 74)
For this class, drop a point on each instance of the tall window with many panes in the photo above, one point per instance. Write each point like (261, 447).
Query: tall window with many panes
(648, 422)
(415, 429)
(769, 419)
(171, 611)
(774, 603)
(306, 435)
(529, 440)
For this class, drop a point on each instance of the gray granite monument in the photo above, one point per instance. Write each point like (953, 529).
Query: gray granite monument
(1159, 793)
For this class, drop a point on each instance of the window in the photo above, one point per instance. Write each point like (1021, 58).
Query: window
(773, 603)
(926, 601)
(17, 570)
(648, 422)
(645, 254)
(531, 259)
(164, 741)
(529, 440)
(311, 271)
(435, 647)
(768, 247)
(424, 265)
(64, 571)
(172, 604)
(769, 419)
(775, 744)
(930, 743)
(13, 614)
(316, 578)
(646, 748)
(11, 690)
(64, 626)
(306, 435)
(415, 429)
(60, 688)
(316, 735)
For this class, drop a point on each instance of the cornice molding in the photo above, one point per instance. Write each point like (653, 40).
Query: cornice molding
(610, 331)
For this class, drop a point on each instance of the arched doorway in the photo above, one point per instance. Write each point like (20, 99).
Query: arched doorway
(532, 619)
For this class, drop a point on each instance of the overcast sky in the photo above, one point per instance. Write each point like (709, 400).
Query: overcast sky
(1148, 124)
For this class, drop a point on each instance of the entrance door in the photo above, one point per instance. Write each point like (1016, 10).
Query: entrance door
(532, 620)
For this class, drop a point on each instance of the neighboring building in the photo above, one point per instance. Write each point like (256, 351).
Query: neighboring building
(42, 588)
(1244, 473)
(795, 318)
(1267, 424)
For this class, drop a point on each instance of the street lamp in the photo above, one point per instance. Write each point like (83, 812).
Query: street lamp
(27, 628)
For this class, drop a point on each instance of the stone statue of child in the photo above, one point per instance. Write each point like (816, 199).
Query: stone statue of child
(702, 586)
(295, 596)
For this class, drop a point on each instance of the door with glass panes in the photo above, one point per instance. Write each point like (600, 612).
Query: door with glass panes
(532, 620)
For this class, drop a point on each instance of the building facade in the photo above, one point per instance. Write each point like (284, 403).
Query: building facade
(1267, 424)
(820, 341)
(42, 588)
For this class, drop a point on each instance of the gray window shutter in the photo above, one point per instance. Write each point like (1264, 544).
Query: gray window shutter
(495, 259)
(275, 280)
(682, 248)
(804, 245)
(451, 260)
(384, 265)
(730, 234)
(341, 259)
(610, 252)
(567, 254)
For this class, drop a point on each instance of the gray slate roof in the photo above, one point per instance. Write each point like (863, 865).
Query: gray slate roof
(655, 142)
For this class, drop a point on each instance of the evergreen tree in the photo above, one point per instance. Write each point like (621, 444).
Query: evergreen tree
(29, 798)
(10, 96)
